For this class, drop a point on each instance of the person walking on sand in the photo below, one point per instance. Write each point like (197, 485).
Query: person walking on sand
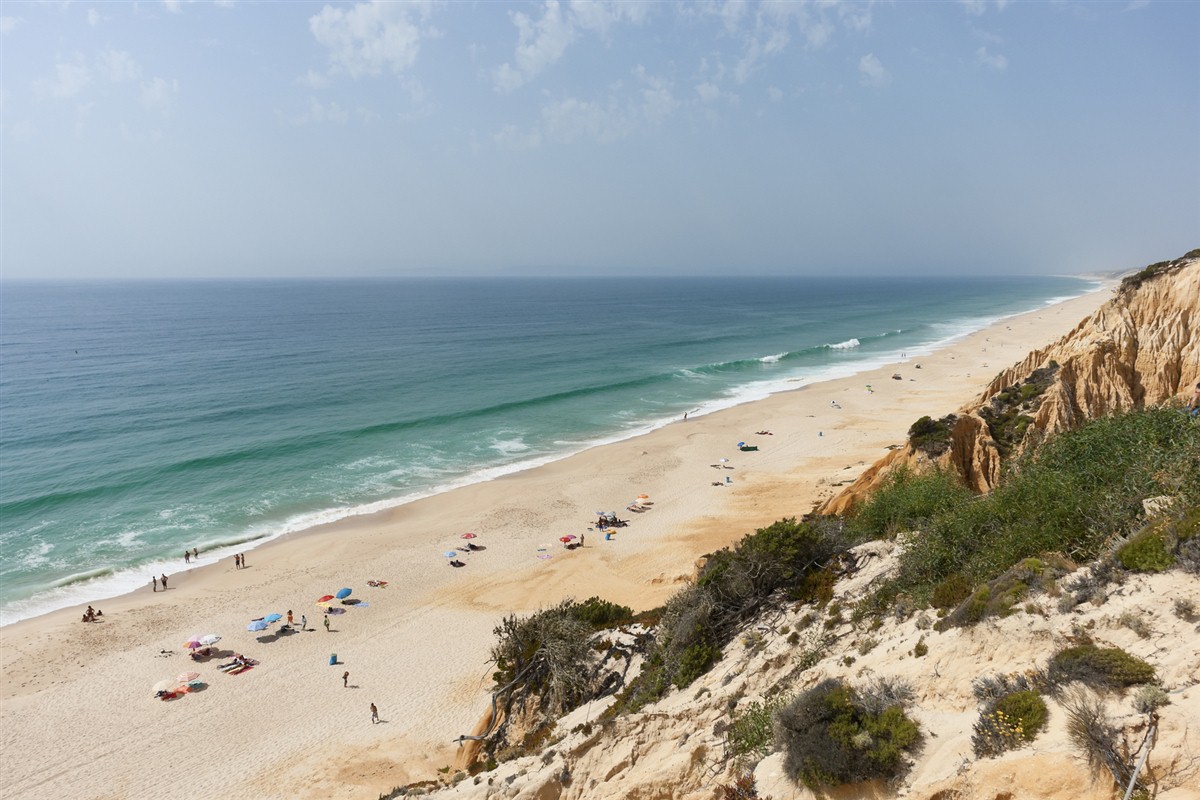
(327, 623)
(346, 679)
(374, 714)
(289, 616)
(303, 622)
(154, 581)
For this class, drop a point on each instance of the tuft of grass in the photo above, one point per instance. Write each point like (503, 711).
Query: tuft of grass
(750, 734)
(1147, 551)
(1098, 667)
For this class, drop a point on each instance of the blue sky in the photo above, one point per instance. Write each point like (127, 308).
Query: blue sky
(248, 139)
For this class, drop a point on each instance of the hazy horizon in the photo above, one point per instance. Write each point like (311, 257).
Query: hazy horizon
(244, 140)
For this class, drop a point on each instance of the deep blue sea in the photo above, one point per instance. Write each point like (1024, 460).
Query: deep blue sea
(139, 419)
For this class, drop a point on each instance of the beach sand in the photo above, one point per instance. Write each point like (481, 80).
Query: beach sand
(79, 719)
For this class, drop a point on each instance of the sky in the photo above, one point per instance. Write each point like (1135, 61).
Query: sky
(238, 139)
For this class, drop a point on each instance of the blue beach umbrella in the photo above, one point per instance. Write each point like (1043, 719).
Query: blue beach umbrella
(342, 594)
(257, 625)
(451, 554)
(273, 617)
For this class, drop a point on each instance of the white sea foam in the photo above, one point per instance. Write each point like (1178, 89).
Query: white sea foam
(509, 446)
(849, 344)
(772, 359)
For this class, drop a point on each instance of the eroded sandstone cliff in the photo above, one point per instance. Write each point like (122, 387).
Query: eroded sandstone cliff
(1140, 348)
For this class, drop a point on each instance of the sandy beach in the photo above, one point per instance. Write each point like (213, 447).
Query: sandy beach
(78, 715)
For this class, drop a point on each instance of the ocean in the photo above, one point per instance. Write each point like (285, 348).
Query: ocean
(139, 419)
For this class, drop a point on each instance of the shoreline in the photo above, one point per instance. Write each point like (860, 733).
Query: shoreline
(303, 524)
(74, 692)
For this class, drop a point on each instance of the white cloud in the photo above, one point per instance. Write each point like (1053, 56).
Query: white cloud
(572, 119)
(315, 80)
(159, 94)
(996, 62)
(118, 66)
(174, 6)
(93, 17)
(978, 7)
(8, 24)
(658, 99)
(872, 73)
(539, 44)
(543, 42)
(510, 137)
(69, 80)
(372, 37)
(708, 92)
(775, 93)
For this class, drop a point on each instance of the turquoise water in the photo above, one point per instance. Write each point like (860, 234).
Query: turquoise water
(140, 419)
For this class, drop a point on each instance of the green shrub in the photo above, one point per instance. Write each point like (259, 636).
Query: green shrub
(1098, 667)
(694, 662)
(920, 649)
(1146, 552)
(1067, 496)
(1000, 597)
(930, 436)
(1009, 722)
(829, 738)
(950, 592)
(905, 501)
(601, 613)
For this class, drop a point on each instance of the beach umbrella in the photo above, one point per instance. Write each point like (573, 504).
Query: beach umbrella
(273, 617)
(565, 539)
(325, 599)
(209, 639)
(643, 497)
(741, 444)
(187, 677)
(342, 594)
(164, 686)
(193, 643)
(451, 554)
(469, 536)
(257, 625)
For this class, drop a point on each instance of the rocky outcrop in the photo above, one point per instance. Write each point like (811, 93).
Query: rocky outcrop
(1141, 348)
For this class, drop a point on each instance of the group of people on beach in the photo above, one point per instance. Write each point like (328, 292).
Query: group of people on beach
(188, 555)
(92, 614)
(155, 581)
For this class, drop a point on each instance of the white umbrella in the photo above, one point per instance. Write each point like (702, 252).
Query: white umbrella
(209, 639)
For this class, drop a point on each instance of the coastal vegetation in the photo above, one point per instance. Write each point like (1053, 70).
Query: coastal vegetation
(930, 436)
(1073, 496)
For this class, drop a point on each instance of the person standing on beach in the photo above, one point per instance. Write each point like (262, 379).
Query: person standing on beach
(195, 552)
(154, 581)
(163, 578)
(187, 557)
(327, 623)
(289, 616)
(346, 679)
(303, 622)
(374, 714)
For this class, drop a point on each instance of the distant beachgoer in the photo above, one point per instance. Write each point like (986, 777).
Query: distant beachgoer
(289, 616)
(685, 416)
(163, 579)
(374, 714)
(237, 561)
(303, 622)
(581, 540)
(195, 552)
(327, 623)
(346, 679)
(187, 557)
(243, 560)
(154, 580)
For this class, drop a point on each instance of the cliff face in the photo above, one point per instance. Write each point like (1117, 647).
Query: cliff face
(1140, 348)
